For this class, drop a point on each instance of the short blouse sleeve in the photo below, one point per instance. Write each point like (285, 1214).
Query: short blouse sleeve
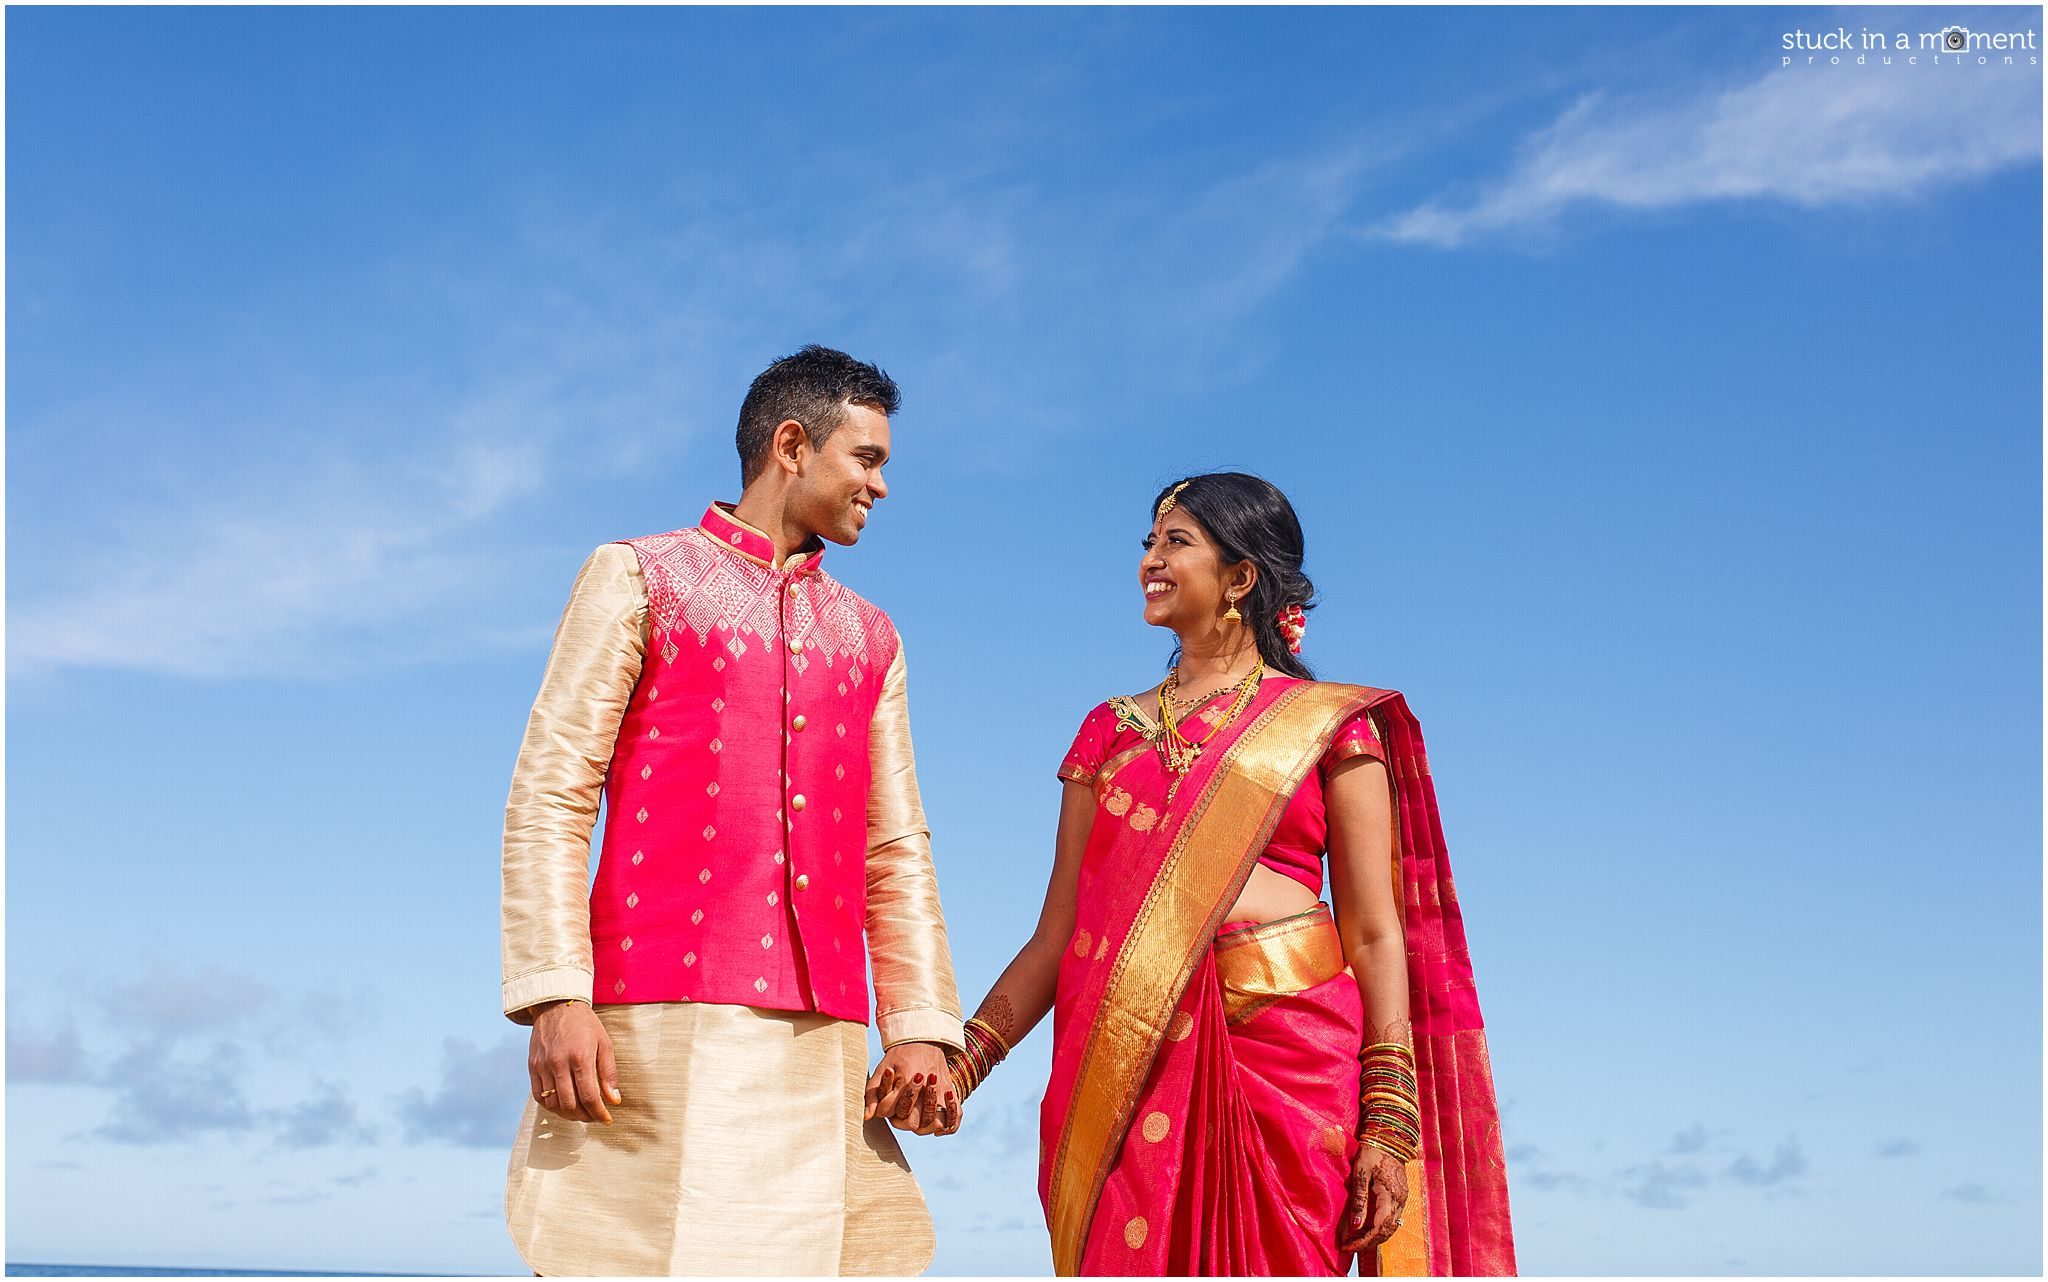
(1091, 745)
(1357, 737)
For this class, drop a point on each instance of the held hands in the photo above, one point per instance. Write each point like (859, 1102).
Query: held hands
(569, 1060)
(1379, 1190)
(912, 1088)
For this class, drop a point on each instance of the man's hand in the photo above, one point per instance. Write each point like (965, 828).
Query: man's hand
(570, 1063)
(912, 1088)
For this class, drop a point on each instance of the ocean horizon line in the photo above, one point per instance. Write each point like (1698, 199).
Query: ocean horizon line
(34, 1269)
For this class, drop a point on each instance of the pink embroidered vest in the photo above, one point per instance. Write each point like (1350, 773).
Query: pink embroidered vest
(733, 868)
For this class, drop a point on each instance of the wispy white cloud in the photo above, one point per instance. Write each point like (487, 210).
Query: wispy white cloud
(600, 344)
(1807, 137)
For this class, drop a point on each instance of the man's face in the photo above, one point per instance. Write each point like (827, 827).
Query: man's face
(839, 483)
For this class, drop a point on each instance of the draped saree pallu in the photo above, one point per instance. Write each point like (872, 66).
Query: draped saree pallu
(1201, 1112)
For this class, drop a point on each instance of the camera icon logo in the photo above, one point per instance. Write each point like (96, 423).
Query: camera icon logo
(1955, 39)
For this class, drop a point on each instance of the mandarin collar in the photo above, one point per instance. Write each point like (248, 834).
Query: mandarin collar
(728, 531)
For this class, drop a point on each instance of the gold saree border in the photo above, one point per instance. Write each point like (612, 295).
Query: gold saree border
(1260, 965)
(1235, 812)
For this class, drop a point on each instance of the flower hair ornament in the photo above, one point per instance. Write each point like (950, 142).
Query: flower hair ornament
(1292, 621)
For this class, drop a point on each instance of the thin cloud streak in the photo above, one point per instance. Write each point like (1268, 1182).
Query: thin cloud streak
(1806, 137)
(330, 563)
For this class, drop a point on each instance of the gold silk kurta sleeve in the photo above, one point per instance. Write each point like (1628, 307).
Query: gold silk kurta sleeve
(559, 778)
(916, 999)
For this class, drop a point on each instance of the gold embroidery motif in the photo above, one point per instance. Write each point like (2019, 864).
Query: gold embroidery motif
(1143, 818)
(1332, 1140)
(1102, 949)
(1129, 716)
(1178, 1028)
(1135, 1231)
(1157, 1124)
(1082, 943)
(1118, 803)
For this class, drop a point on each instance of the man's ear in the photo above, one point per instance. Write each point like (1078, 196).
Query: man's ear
(790, 445)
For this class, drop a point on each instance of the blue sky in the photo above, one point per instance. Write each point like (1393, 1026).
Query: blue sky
(1665, 421)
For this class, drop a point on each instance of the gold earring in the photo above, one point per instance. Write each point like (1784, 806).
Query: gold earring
(1231, 615)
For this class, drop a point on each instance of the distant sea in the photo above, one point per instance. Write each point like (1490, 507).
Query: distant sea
(109, 1270)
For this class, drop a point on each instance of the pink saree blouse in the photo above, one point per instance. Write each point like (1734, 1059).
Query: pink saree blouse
(1114, 727)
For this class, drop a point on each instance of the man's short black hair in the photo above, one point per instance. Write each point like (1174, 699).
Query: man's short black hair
(814, 387)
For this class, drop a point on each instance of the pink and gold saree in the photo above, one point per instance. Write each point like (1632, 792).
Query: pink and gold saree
(1204, 1090)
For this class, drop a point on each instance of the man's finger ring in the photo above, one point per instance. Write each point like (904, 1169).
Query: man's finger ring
(549, 1091)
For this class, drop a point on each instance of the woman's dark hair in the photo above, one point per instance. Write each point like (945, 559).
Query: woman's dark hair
(1251, 520)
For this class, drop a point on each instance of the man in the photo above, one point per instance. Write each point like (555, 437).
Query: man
(699, 1016)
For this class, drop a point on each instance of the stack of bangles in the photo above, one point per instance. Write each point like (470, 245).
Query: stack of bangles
(1389, 1116)
(985, 1049)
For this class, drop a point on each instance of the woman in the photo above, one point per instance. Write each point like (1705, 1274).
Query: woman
(1243, 1083)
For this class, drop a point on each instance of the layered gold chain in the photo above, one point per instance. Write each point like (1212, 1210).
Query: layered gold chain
(1178, 751)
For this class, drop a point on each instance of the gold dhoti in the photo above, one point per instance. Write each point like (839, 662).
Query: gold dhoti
(739, 1149)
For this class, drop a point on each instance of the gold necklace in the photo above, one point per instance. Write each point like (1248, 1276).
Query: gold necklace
(1178, 751)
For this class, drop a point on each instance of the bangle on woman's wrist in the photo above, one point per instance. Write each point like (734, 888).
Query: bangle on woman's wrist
(1389, 1107)
(985, 1049)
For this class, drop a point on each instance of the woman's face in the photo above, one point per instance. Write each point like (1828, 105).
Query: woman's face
(1183, 576)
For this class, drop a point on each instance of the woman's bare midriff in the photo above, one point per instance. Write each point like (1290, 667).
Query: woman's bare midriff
(1269, 896)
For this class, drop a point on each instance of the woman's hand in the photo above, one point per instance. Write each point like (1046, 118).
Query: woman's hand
(912, 1088)
(1379, 1191)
